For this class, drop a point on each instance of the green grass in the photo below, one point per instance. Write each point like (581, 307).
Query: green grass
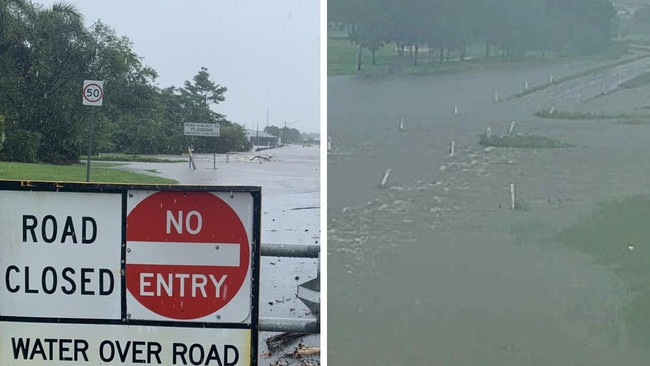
(342, 57)
(99, 172)
(528, 141)
(635, 121)
(606, 236)
(130, 158)
(577, 75)
(552, 113)
(342, 60)
(641, 80)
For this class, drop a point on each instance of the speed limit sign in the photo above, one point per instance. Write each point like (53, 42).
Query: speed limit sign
(93, 92)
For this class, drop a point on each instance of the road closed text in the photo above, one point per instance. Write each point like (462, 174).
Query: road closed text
(110, 351)
(42, 233)
(67, 281)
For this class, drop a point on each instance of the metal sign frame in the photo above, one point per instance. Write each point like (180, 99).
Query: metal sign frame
(131, 332)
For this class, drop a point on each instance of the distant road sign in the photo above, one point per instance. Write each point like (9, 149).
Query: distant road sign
(201, 129)
(93, 93)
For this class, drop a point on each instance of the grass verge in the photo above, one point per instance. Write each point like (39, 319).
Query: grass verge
(639, 81)
(342, 60)
(342, 57)
(99, 172)
(130, 158)
(577, 75)
(616, 236)
(520, 141)
(552, 113)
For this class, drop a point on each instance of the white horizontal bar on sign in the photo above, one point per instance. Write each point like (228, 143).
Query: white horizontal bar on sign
(183, 254)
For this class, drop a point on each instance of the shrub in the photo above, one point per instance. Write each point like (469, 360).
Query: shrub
(21, 146)
(520, 140)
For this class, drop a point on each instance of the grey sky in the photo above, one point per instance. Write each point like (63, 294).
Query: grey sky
(265, 52)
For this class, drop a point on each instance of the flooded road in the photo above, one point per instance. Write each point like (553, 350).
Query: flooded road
(436, 268)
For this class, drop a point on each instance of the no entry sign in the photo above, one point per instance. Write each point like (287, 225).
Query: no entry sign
(188, 256)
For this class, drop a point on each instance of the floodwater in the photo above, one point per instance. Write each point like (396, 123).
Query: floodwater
(436, 268)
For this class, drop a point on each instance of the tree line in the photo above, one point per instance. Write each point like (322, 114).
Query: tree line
(47, 53)
(513, 27)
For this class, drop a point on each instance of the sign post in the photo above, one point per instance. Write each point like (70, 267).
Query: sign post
(159, 275)
(93, 95)
(203, 129)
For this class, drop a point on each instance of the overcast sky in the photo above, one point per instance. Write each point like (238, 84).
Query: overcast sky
(265, 52)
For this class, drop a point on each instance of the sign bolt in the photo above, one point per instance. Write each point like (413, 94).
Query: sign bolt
(218, 316)
(216, 247)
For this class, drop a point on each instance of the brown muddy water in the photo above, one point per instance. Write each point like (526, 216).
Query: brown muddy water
(436, 268)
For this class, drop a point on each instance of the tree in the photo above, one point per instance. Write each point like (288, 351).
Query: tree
(50, 51)
(371, 29)
(46, 53)
(132, 103)
(2, 131)
(196, 100)
(513, 27)
(273, 130)
(288, 135)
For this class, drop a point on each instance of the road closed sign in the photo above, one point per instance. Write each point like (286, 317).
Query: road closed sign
(115, 274)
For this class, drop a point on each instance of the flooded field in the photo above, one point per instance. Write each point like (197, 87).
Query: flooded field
(436, 268)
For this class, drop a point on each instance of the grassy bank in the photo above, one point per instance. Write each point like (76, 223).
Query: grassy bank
(99, 172)
(130, 158)
(616, 235)
(342, 57)
(342, 60)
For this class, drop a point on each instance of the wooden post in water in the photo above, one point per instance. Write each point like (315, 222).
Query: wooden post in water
(455, 109)
(401, 124)
(512, 128)
(512, 196)
(451, 147)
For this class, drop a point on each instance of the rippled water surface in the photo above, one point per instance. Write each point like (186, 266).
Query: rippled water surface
(436, 268)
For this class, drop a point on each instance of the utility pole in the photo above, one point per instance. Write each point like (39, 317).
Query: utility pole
(284, 132)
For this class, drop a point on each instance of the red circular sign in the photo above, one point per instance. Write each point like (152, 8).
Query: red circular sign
(176, 230)
(93, 93)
